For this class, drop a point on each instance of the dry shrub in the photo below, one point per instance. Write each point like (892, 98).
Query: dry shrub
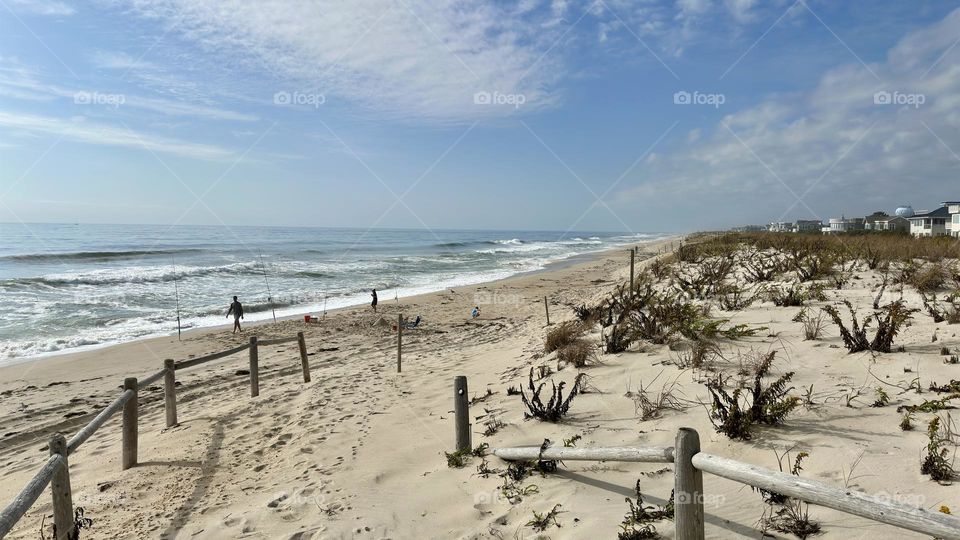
(649, 404)
(700, 355)
(929, 278)
(564, 334)
(580, 353)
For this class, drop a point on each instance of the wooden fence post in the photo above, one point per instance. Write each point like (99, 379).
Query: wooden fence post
(60, 489)
(170, 391)
(688, 487)
(461, 408)
(131, 410)
(546, 308)
(254, 368)
(399, 341)
(633, 255)
(302, 343)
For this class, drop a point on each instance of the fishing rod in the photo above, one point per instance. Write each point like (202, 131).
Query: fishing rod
(176, 289)
(269, 295)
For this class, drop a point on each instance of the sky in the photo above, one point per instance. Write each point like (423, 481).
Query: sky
(601, 115)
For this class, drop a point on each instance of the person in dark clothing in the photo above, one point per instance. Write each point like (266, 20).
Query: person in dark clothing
(236, 308)
(373, 303)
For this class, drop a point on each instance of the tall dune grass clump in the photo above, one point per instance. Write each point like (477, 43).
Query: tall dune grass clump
(889, 319)
(735, 413)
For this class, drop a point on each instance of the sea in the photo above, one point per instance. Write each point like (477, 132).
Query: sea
(67, 287)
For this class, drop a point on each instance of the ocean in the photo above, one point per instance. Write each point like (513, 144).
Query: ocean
(65, 287)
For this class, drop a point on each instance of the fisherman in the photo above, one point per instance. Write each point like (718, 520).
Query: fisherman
(237, 309)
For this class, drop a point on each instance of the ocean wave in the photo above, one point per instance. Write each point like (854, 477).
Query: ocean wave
(130, 275)
(95, 255)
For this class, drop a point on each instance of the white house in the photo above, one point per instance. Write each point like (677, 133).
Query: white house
(953, 226)
(933, 223)
(844, 225)
(892, 223)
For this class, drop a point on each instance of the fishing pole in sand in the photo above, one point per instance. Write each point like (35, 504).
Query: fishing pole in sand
(176, 290)
(265, 280)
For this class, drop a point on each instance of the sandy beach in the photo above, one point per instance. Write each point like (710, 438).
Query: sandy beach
(359, 451)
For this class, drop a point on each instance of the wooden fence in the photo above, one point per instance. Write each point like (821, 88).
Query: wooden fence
(690, 464)
(55, 471)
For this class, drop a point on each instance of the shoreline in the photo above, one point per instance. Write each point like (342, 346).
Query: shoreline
(359, 452)
(558, 264)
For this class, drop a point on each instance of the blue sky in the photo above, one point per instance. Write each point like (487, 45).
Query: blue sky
(374, 113)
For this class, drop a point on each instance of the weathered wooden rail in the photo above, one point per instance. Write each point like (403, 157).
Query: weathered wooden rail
(55, 472)
(690, 464)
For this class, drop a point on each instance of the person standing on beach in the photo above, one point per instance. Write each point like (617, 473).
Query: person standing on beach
(237, 309)
(373, 303)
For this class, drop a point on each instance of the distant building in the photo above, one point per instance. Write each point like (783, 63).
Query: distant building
(953, 226)
(780, 226)
(932, 223)
(844, 225)
(869, 222)
(807, 225)
(892, 223)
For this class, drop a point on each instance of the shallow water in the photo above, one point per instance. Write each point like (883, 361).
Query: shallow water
(64, 287)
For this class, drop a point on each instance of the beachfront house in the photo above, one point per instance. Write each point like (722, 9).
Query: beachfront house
(892, 224)
(870, 222)
(844, 225)
(932, 223)
(953, 226)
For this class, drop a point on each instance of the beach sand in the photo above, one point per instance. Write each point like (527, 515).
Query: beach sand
(359, 451)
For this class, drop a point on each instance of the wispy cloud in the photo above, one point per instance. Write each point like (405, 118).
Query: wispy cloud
(22, 84)
(80, 130)
(407, 58)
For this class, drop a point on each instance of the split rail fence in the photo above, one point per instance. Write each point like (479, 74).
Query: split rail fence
(690, 464)
(55, 471)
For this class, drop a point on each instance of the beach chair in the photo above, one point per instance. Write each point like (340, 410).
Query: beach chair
(411, 325)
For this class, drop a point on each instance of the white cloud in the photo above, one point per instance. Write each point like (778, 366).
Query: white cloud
(421, 59)
(834, 139)
(80, 130)
(22, 84)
